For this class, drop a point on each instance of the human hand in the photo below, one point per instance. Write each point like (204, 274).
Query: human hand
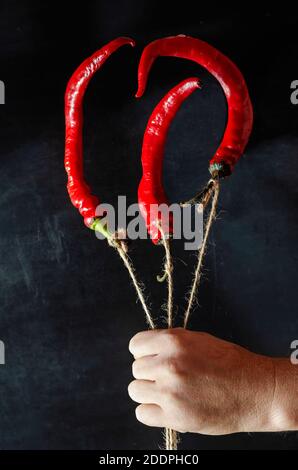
(193, 382)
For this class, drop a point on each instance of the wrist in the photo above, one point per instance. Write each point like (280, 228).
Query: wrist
(284, 409)
(261, 386)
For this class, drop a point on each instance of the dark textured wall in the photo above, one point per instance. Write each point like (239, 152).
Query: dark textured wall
(67, 310)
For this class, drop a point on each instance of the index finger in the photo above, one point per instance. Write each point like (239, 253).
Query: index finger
(146, 343)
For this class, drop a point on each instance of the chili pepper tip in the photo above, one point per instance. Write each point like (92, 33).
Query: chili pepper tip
(132, 42)
(139, 93)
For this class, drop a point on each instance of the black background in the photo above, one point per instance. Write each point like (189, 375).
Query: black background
(67, 307)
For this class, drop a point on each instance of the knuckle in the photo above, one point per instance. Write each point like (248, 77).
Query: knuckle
(172, 399)
(133, 342)
(138, 412)
(141, 414)
(174, 366)
(204, 334)
(131, 388)
(175, 340)
(135, 368)
(131, 346)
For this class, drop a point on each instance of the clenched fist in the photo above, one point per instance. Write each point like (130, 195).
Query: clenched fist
(193, 382)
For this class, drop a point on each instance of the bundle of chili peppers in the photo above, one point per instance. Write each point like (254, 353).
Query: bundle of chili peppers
(151, 191)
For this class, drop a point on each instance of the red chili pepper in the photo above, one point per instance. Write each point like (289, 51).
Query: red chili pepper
(240, 113)
(79, 192)
(151, 192)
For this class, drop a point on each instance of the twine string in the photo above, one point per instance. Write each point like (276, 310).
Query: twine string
(170, 436)
(168, 275)
(171, 439)
(214, 193)
(122, 251)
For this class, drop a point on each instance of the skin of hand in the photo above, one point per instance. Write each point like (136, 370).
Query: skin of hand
(193, 382)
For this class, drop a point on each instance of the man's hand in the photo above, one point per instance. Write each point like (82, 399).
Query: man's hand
(194, 382)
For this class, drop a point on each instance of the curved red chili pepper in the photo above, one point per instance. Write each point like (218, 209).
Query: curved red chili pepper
(79, 192)
(240, 113)
(151, 192)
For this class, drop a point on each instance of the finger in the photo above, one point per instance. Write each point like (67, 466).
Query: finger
(146, 343)
(143, 391)
(145, 368)
(151, 415)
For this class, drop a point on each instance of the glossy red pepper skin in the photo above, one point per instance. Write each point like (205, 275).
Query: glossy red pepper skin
(240, 112)
(151, 191)
(78, 190)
